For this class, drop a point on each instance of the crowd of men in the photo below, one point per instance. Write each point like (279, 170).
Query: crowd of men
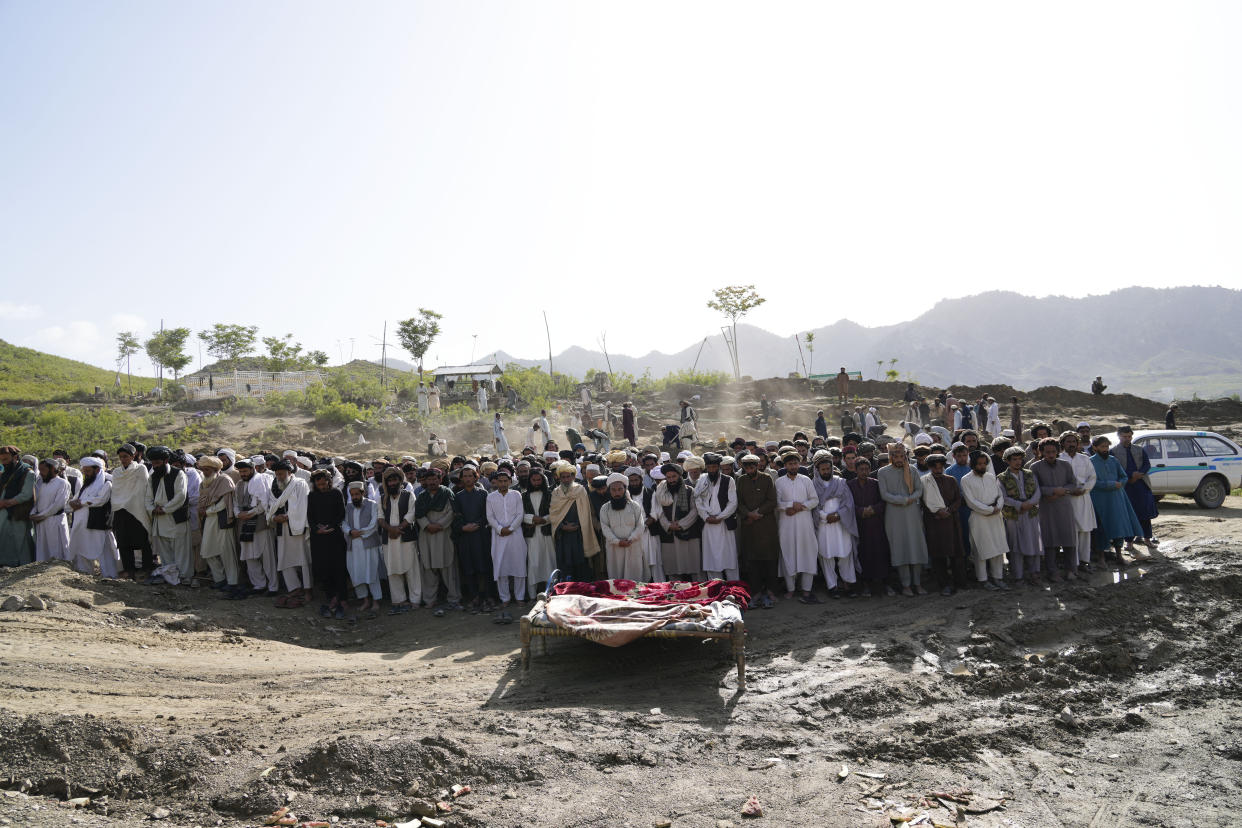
(484, 533)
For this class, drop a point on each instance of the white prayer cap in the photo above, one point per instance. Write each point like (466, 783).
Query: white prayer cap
(958, 445)
(304, 461)
(872, 409)
(257, 459)
(227, 452)
(771, 444)
(657, 473)
(922, 439)
(289, 453)
(591, 467)
(664, 458)
(426, 465)
(1083, 424)
(405, 458)
(633, 470)
(91, 461)
(1007, 433)
(727, 460)
(683, 454)
(550, 455)
(357, 484)
(618, 477)
(749, 458)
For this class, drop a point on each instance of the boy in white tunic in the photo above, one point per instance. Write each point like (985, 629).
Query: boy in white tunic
(51, 525)
(795, 498)
(91, 540)
(504, 516)
(715, 496)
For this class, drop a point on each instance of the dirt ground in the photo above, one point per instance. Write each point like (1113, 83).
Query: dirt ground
(1109, 704)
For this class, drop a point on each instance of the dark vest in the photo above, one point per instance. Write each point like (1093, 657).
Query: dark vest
(410, 532)
(182, 514)
(528, 530)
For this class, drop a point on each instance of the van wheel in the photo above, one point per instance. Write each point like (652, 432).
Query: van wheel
(1211, 492)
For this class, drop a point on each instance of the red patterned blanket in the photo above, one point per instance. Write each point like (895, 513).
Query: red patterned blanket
(675, 592)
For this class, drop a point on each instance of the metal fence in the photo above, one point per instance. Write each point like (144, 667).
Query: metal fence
(248, 383)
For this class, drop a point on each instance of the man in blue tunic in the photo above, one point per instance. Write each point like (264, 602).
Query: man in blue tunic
(1136, 464)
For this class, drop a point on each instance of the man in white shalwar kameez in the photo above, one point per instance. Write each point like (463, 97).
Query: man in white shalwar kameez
(287, 512)
(1084, 512)
(673, 506)
(545, 428)
(715, 496)
(481, 396)
(622, 523)
(537, 526)
(836, 525)
(993, 427)
(988, 541)
(362, 555)
(165, 500)
(90, 540)
(504, 516)
(424, 406)
(256, 539)
(219, 544)
(51, 524)
(498, 436)
(795, 500)
(131, 523)
(398, 542)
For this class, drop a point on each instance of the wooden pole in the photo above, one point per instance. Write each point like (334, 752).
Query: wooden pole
(549, 332)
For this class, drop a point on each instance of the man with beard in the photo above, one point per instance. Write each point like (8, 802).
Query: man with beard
(621, 521)
(1136, 462)
(537, 528)
(836, 526)
(215, 506)
(362, 558)
(51, 526)
(573, 536)
(286, 510)
(395, 521)
(471, 538)
(902, 490)
(795, 498)
(90, 539)
(1113, 509)
(1080, 498)
(988, 542)
(324, 515)
(674, 507)
(942, 499)
(256, 543)
(628, 429)
(1021, 512)
(715, 498)
(434, 513)
(131, 523)
(653, 562)
(228, 464)
(1057, 531)
(351, 472)
(508, 546)
(17, 487)
(759, 550)
(597, 497)
(165, 501)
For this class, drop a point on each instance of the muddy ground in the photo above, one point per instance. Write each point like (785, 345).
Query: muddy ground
(169, 701)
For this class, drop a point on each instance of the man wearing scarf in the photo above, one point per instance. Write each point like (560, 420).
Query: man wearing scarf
(215, 506)
(286, 510)
(988, 542)
(537, 527)
(165, 501)
(131, 523)
(17, 485)
(324, 515)
(715, 498)
(573, 535)
(902, 490)
(1021, 512)
(51, 526)
(673, 505)
(836, 526)
(90, 539)
(621, 521)
(434, 512)
(942, 498)
(256, 542)
(228, 460)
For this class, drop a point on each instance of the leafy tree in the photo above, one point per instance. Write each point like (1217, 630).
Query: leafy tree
(126, 346)
(417, 333)
(735, 302)
(810, 352)
(166, 349)
(283, 354)
(229, 342)
(318, 358)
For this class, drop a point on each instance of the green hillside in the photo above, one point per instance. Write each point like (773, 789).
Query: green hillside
(30, 376)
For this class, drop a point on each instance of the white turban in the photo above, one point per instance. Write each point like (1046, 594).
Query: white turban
(257, 459)
(304, 462)
(634, 470)
(692, 462)
(922, 439)
(91, 461)
(618, 477)
(289, 453)
(682, 455)
(227, 452)
(664, 458)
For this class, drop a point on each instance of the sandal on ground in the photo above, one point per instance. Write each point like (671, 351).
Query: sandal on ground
(810, 598)
(439, 612)
(394, 610)
(498, 618)
(325, 610)
(339, 613)
(768, 602)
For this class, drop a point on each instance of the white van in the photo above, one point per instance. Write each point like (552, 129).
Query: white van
(1201, 464)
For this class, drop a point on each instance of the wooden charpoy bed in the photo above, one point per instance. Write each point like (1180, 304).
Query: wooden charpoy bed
(726, 624)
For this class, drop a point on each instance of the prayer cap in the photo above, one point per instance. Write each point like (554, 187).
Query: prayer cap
(357, 485)
(1083, 424)
(633, 470)
(618, 477)
(127, 448)
(922, 439)
(669, 467)
(599, 480)
(257, 460)
(749, 458)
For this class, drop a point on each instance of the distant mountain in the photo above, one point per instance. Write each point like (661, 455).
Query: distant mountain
(27, 375)
(399, 364)
(1159, 343)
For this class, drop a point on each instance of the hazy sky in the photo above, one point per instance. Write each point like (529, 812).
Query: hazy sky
(317, 168)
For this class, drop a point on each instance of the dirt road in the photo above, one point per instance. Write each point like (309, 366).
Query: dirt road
(209, 712)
